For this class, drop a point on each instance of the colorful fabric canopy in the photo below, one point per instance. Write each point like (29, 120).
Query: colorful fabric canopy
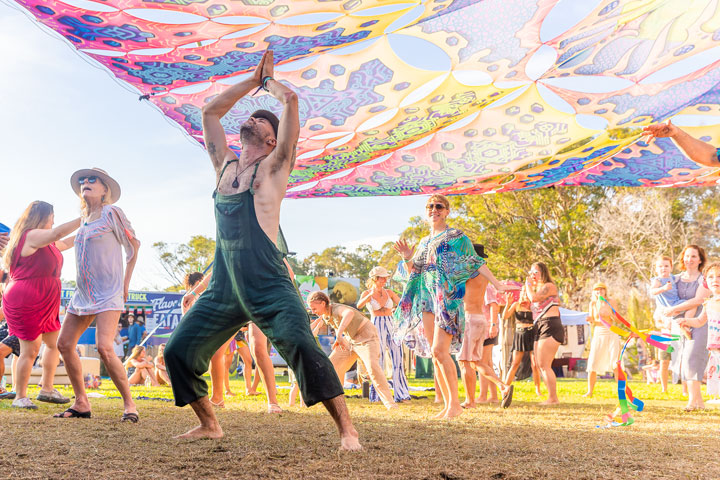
(417, 97)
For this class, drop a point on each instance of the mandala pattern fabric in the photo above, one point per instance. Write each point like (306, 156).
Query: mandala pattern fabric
(434, 282)
(430, 96)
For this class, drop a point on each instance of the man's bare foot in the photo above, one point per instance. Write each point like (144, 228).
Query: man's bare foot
(350, 441)
(229, 393)
(467, 404)
(252, 393)
(453, 412)
(274, 408)
(201, 432)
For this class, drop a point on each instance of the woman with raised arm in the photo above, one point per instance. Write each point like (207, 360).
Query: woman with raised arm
(430, 316)
(524, 338)
(380, 302)
(549, 332)
(31, 302)
(103, 281)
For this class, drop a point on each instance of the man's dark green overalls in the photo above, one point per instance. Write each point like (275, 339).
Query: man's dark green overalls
(250, 283)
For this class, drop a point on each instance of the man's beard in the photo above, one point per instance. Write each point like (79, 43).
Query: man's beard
(249, 135)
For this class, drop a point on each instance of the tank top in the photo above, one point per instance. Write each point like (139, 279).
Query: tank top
(713, 341)
(523, 317)
(540, 308)
(335, 317)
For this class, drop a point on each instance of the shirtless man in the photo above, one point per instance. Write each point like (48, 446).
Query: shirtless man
(477, 328)
(250, 280)
(695, 149)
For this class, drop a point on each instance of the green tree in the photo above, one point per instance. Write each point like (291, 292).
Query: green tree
(178, 260)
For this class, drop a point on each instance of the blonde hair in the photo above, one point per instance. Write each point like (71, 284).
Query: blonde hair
(440, 198)
(663, 258)
(35, 216)
(105, 200)
(136, 351)
(712, 266)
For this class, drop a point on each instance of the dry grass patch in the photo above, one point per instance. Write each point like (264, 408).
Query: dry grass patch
(525, 441)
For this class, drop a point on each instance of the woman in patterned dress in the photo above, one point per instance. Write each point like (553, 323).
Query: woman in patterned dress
(430, 316)
(103, 280)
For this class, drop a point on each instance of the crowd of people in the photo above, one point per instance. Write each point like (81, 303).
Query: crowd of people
(448, 306)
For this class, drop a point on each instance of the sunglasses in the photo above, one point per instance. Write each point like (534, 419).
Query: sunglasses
(91, 179)
(436, 206)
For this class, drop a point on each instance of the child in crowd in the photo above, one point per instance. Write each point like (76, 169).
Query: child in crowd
(711, 315)
(665, 290)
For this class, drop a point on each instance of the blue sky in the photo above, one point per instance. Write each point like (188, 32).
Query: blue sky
(61, 113)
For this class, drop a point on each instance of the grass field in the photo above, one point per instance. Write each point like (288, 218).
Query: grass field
(525, 441)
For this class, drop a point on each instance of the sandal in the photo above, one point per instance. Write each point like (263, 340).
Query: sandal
(130, 417)
(220, 404)
(274, 408)
(5, 395)
(507, 397)
(73, 414)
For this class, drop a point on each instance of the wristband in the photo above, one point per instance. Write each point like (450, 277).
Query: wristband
(193, 294)
(264, 82)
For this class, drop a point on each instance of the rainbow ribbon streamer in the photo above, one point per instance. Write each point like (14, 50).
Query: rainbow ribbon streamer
(626, 400)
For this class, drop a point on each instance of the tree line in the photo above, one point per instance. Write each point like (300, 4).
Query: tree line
(583, 234)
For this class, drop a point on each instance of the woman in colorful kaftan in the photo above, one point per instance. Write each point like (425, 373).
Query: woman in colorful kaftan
(103, 280)
(31, 301)
(430, 316)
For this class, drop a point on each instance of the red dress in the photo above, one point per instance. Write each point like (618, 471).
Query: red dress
(31, 302)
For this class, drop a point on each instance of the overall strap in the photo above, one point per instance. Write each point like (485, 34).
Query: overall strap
(252, 180)
(222, 172)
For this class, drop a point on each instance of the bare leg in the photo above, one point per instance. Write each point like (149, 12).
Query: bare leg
(448, 373)
(535, 373)
(244, 353)
(258, 345)
(73, 326)
(13, 369)
(349, 438)
(209, 426)
(217, 365)
(545, 349)
(428, 320)
(695, 399)
(28, 353)
(226, 373)
(592, 378)
(486, 386)
(106, 324)
(50, 360)
(664, 374)
(137, 377)
(4, 352)
(469, 376)
(516, 362)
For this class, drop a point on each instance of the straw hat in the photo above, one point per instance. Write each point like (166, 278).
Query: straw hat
(600, 285)
(102, 175)
(379, 272)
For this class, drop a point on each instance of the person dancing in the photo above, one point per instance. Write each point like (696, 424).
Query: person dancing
(356, 339)
(250, 280)
(31, 301)
(549, 332)
(380, 301)
(430, 317)
(524, 337)
(103, 281)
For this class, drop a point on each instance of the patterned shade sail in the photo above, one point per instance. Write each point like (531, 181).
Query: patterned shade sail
(434, 96)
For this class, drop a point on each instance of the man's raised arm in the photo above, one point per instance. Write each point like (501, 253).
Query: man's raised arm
(696, 150)
(289, 128)
(213, 132)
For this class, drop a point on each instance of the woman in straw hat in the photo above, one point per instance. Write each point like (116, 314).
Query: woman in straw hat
(605, 345)
(380, 302)
(103, 279)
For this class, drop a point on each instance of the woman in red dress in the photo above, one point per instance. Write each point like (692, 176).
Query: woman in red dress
(31, 302)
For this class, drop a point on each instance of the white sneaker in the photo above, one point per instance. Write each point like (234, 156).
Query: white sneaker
(25, 403)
